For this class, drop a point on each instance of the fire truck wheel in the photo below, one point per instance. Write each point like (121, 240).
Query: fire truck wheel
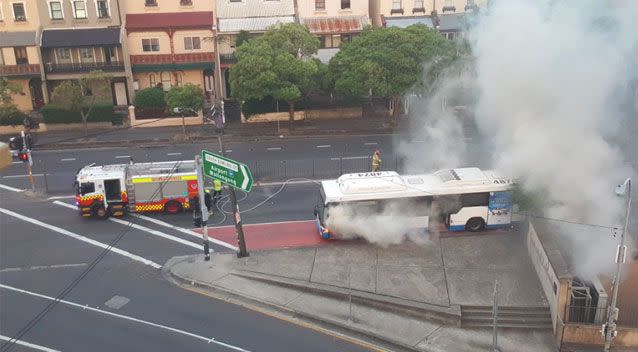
(99, 212)
(172, 207)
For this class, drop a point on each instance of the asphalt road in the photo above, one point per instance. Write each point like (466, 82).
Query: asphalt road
(44, 246)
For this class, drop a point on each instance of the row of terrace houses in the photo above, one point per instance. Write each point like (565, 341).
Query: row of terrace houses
(166, 43)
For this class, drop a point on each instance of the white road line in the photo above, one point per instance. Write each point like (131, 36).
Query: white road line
(42, 267)
(417, 141)
(12, 189)
(17, 162)
(21, 176)
(370, 143)
(81, 238)
(27, 344)
(172, 154)
(324, 146)
(141, 228)
(124, 317)
(183, 230)
(351, 157)
(229, 150)
(61, 197)
(68, 159)
(123, 157)
(274, 148)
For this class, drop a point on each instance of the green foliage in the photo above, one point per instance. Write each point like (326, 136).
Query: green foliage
(70, 95)
(189, 96)
(52, 113)
(242, 37)
(10, 115)
(276, 64)
(150, 98)
(259, 106)
(7, 89)
(387, 62)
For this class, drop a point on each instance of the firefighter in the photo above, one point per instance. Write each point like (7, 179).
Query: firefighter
(376, 161)
(207, 199)
(217, 190)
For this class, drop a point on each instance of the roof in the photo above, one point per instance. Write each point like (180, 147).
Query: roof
(451, 22)
(144, 21)
(335, 25)
(17, 39)
(255, 8)
(64, 38)
(252, 24)
(406, 21)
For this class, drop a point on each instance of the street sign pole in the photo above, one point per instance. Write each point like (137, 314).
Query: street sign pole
(202, 206)
(239, 229)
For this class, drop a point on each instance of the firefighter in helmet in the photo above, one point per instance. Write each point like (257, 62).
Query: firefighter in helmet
(217, 190)
(376, 161)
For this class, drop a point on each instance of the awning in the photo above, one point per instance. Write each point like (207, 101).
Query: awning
(162, 21)
(406, 21)
(8, 39)
(335, 25)
(252, 24)
(66, 38)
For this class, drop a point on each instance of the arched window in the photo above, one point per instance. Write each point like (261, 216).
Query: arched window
(166, 80)
(151, 80)
(178, 79)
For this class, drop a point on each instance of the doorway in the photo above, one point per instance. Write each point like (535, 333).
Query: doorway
(119, 88)
(37, 98)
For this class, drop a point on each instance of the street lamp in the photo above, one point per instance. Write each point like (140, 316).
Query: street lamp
(609, 328)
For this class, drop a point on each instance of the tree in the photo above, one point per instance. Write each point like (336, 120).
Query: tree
(7, 89)
(242, 37)
(277, 64)
(186, 97)
(82, 96)
(387, 62)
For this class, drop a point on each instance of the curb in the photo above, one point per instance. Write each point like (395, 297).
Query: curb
(325, 325)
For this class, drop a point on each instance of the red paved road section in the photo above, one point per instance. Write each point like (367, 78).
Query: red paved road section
(290, 234)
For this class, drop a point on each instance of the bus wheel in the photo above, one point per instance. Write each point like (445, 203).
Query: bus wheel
(100, 212)
(475, 224)
(172, 207)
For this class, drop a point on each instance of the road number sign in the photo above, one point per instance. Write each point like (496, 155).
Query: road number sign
(228, 171)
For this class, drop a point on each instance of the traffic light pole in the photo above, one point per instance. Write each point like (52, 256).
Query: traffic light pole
(202, 206)
(26, 147)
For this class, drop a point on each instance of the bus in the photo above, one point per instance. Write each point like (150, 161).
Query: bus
(461, 199)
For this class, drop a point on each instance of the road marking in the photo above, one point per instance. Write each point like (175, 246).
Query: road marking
(274, 148)
(124, 317)
(141, 228)
(17, 162)
(183, 230)
(20, 176)
(173, 154)
(68, 159)
(27, 344)
(12, 189)
(418, 141)
(351, 157)
(81, 238)
(42, 267)
(370, 143)
(61, 197)
(324, 146)
(123, 157)
(117, 302)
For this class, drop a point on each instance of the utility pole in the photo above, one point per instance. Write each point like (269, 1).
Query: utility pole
(202, 206)
(26, 148)
(219, 100)
(609, 328)
(495, 319)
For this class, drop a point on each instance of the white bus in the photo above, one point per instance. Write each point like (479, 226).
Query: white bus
(463, 199)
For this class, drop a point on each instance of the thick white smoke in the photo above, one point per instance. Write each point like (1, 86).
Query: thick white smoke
(549, 73)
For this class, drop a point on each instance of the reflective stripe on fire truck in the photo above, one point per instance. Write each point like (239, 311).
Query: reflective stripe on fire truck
(162, 179)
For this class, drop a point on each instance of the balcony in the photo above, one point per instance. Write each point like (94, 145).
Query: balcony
(20, 70)
(112, 66)
(227, 59)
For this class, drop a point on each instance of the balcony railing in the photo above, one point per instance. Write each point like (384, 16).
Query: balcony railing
(19, 70)
(84, 67)
(227, 58)
(163, 59)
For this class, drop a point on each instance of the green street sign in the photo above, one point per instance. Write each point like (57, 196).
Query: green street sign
(227, 170)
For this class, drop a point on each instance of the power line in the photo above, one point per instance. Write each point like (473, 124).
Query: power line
(35, 320)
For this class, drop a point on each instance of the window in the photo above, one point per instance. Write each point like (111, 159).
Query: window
(150, 3)
(102, 8)
(178, 79)
(475, 199)
(166, 80)
(331, 41)
(191, 43)
(151, 80)
(320, 5)
(1, 58)
(56, 10)
(185, 2)
(150, 44)
(21, 55)
(79, 8)
(418, 4)
(396, 4)
(86, 54)
(88, 187)
(346, 38)
(63, 54)
(19, 13)
(345, 4)
(1, 16)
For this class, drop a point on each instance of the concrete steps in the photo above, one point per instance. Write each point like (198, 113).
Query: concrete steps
(507, 317)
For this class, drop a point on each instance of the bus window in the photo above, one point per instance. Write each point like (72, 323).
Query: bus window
(475, 199)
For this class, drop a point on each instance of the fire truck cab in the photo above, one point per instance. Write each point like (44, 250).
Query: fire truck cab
(114, 190)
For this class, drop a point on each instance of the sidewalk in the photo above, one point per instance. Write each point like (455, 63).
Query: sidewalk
(412, 297)
(125, 136)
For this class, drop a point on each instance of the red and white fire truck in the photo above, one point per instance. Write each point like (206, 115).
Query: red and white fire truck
(106, 190)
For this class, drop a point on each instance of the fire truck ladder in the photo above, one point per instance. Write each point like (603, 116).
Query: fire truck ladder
(130, 188)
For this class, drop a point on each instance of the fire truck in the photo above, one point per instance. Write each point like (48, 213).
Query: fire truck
(114, 190)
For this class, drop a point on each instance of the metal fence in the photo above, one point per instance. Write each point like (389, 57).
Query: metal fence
(586, 315)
